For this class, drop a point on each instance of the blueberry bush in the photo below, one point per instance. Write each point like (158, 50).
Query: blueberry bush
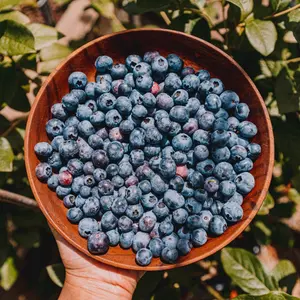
(263, 37)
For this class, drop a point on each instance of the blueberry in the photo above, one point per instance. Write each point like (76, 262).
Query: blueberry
(100, 77)
(89, 180)
(206, 167)
(54, 127)
(156, 245)
(182, 142)
(103, 133)
(233, 140)
(109, 221)
(106, 187)
(79, 201)
(125, 169)
(232, 212)
(211, 184)
(243, 142)
(221, 124)
(112, 170)
(200, 195)
(131, 61)
(227, 188)
(77, 80)
(165, 228)
(129, 80)
(119, 206)
(175, 63)
(164, 101)
(144, 83)
(217, 225)
(236, 197)
(124, 89)
(192, 206)
(216, 207)
(167, 168)
(180, 215)
(160, 210)
(192, 106)
(247, 129)
(136, 97)
(118, 71)
(245, 182)
(106, 202)
(103, 64)
(173, 199)
(57, 141)
(113, 237)
(229, 99)
(148, 201)
(201, 152)
(179, 114)
(85, 128)
(151, 151)
(149, 56)
(187, 190)
(74, 215)
(218, 86)
(143, 257)
(159, 68)
(164, 125)
(213, 102)
(113, 118)
(100, 158)
(184, 233)
(179, 157)
(98, 243)
(141, 68)
(253, 151)
(80, 94)
(220, 154)
(115, 151)
(95, 141)
(175, 128)
(222, 113)
(123, 105)
(126, 239)
(137, 157)
(206, 120)
(224, 171)
(99, 174)
(77, 184)
(201, 137)
(207, 203)
(126, 126)
(139, 111)
(199, 237)
(90, 90)
(158, 185)
(238, 153)
(169, 255)
(172, 83)
(134, 212)
(203, 75)
(85, 191)
(69, 201)
(191, 160)
(43, 150)
(195, 179)
(137, 138)
(170, 240)
(52, 182)
(233, 123)
(125, 224)
(205, 88)
(190, 126)
(43, 172)
(145, 186)
(191, 83)
(59, 112)
(242, 111)
(146, 223)
(102, 86)
(62, 191)
(106, 102)
(87, 226)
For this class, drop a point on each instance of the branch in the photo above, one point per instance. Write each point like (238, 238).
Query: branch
(292, 60)
(12, 198)
(282, 12)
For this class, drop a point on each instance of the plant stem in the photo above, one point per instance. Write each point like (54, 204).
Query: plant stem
(282, 12)
(165, 18)
(202, 14)
(15, 124)
(12, 198)
(212, 291)
(292, 60)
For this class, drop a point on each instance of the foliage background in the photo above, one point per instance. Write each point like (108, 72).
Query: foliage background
(261, 35)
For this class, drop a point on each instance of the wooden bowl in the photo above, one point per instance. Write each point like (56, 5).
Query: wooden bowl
(196, 53)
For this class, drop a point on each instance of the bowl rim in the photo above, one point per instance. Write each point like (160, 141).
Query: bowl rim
(225, 242)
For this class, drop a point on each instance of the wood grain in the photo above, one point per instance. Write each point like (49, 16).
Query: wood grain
(194, 52)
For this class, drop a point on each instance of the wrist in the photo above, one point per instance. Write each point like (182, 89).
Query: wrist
(80, 287)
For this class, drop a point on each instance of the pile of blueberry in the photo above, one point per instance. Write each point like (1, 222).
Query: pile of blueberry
(152, 156)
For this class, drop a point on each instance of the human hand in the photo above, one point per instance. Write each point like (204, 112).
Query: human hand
(89, 279)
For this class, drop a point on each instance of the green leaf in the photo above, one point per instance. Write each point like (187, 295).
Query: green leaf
(8, 274)
(270, 296)
(57, 274)
(294, 25)
(106, 8)
(246, 271)
(51, 57)
(294, 16)
(262, 35)
(201, 29)
(14, 16)
(6, 156)
(246, 7)
(267, 205)
(8, 3)
(15, 39)
(8, 83)
(44, 35)
(286, 93)
(283, 269)
(279, 5)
